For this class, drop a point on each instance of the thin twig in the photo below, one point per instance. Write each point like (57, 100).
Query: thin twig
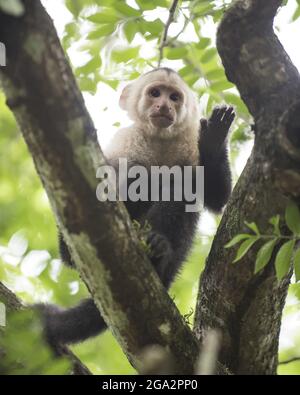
(294, 359)
(186, 22)
(163, 41)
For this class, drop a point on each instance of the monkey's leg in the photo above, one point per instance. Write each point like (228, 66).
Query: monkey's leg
(171, 237)
(214, 157)
(71, 325)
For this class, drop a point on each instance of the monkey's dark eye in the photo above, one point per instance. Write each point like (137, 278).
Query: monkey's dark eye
(155, 92)
(174, 97)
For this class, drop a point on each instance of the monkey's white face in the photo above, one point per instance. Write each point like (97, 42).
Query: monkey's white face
(162, 103)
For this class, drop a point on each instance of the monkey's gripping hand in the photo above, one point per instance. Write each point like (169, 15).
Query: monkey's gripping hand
(214, 131)
(214, 157)
(160, 253)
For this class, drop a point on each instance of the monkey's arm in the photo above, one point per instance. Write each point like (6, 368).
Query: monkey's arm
(214, 157)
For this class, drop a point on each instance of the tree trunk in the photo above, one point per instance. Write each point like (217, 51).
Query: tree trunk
(247, 308)
(43, 95)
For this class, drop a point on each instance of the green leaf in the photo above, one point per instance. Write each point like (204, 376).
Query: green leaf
(220, 86)
(208, 55)
(297, 264)
(103, 31)
(245, 247)
(124, 55)
(186, 70)
(275, 222)
(234, 99)
(283, 259)
(217, 15)
(126, 10)
(104, 17)
(87, 85)
(90, 66)
(292, 218)
(215, 74)
(204, 8)
(103, 3)
(74, 6)
(12, 7)
(264, 255)
(152, 4)
(296, 14)
(130, 30)
(237, 239)
(203, 43)
(146, 5)
(294, 290)
(253, 226)
(175, 53)
(154, 27)
(191, 79)
(112, 83)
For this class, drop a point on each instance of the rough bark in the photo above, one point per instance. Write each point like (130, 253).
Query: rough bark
(12, 302)
(42, 93)
(247, 308)
(9, 299)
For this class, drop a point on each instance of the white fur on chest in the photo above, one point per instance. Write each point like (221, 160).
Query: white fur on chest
(149, 151)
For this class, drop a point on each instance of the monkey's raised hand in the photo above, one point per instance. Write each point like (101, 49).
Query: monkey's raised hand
(215, 130)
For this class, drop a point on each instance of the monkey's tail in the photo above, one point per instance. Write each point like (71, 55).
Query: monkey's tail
(73, 325)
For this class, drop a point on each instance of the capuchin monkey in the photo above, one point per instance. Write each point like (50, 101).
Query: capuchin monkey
(166, 130)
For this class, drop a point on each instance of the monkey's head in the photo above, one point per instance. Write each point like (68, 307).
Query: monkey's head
(161, 103)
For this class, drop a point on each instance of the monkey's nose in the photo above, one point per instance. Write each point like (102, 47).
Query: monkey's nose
(164, 108)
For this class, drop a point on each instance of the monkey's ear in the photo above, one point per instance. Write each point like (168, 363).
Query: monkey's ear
(123, 101)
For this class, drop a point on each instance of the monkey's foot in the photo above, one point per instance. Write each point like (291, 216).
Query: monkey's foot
(160, 252)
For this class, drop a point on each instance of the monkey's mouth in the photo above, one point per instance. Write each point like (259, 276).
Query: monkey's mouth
(161, 120)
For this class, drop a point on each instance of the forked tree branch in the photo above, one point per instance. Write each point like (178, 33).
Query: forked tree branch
(43, 95)
(247, 308)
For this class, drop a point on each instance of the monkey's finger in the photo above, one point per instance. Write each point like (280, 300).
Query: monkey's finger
(229, 119)
(228, 115)
(215, 114)
(223, 111)
(219, 114)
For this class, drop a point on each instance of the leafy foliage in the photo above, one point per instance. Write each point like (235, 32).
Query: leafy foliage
(23, 335)
(112, 36)
(286, 252)
(117, 40)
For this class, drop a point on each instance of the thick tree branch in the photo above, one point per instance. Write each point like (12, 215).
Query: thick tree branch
(9, 299)
(42, 93)
(247, 308)
(12, 302)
